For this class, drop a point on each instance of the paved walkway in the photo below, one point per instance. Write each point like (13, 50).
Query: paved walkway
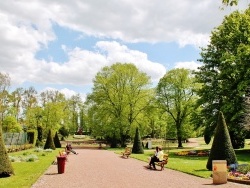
(105, 169)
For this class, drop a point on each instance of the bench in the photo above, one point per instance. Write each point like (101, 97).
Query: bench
(163, 162)
(127, 152)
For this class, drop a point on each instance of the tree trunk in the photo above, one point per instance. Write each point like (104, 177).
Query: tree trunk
(179, 136)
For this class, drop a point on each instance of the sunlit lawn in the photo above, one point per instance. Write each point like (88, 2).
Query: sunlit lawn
(191, 164)
(27, 173)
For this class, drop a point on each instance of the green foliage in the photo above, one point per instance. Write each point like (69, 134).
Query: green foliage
(10, 124)
(64, 131)
(57, 141)
(176, 96)
(137, 145)
(6, 168)
(244, 168)
(225, 71)
(27, 173)
(32, 137)
(49, 144)
(207, 135)
(230, 2)
(118, 101)
(222, 148)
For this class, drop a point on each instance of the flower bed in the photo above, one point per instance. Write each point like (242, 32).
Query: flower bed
(199, 153)
(241, 174)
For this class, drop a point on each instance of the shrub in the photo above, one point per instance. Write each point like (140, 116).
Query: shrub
(6, 168)
(137, 146)
(222, 148)
(32, 136)
(244, 169)
(49, 142)
(57, 141)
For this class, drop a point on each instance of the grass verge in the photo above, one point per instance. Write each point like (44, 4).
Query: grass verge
(27, 173)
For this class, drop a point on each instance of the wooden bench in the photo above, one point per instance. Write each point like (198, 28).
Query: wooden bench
(163, 162)
(127, 152)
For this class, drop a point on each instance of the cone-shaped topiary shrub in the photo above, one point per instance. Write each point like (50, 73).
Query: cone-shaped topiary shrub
(6, 168)
(137, 146)
(222, 148)
(49, 142)
(57, 141)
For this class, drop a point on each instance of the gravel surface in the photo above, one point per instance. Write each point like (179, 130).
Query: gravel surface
(105, 169)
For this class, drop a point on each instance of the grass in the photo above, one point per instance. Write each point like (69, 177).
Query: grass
(27, 173)
(190, 164)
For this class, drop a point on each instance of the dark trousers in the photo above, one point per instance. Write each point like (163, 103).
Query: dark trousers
(153, 160)
(73, 151)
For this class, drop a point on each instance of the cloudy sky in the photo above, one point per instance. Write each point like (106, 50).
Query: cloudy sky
(62, 44)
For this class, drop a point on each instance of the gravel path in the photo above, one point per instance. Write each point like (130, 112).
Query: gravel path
(105, 169)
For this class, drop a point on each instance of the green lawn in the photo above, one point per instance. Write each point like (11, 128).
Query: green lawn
(26, 173)
(190, 164)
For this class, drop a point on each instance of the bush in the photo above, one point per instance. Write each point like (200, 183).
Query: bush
(244, 169)
(57, 141)
(49, 142)
(32, 137)
(137, 146)
(6, 168)
(222, 148)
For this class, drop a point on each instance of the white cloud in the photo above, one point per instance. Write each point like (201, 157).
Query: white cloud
(67, 92)
(188, 65)
(83, 64)
(26, 27)
(116, 52)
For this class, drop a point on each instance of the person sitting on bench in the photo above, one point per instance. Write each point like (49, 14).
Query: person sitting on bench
(156, 158)
(69, 149)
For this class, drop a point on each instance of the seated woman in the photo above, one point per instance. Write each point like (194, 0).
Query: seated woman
(156, 158)
(69, 149)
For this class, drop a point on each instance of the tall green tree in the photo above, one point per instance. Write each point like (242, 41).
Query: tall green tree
(4, 95)
(222, 148)
(176, 96)
(121, 93)
(225, 74)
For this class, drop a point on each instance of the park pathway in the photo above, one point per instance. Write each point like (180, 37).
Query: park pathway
(105, 169)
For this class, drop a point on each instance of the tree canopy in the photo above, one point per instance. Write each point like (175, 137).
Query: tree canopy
(176, 95)
(120, 95)
(225, 72)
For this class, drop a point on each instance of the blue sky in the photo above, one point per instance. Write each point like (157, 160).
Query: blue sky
(61, 45)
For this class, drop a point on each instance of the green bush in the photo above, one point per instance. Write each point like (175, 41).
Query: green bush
(49, 142)
(32, 137)
(244, 169)
(6, 168)
(137, 146)
(222, 148)
(57, 141)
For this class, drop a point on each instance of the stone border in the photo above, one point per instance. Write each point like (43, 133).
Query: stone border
(246, 182)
